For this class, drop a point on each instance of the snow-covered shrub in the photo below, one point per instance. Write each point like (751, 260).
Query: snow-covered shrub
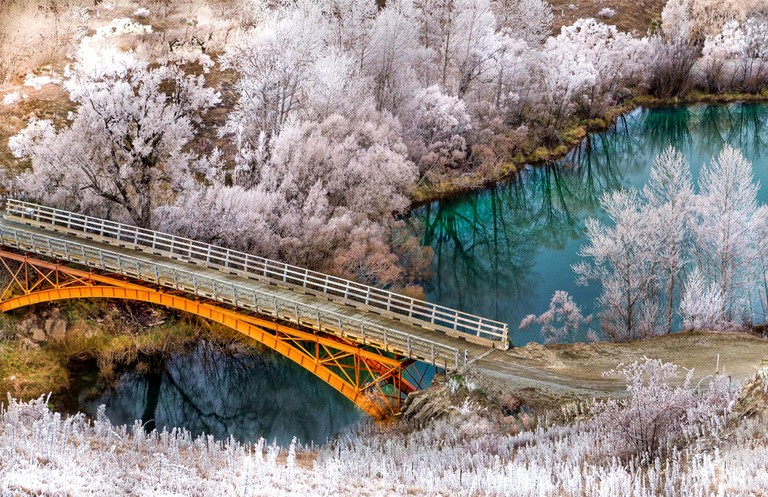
(141, 13)
(12, 98)
(657, 414)
(454, 384)
(563, 320)
(606, 13)
(37, 82)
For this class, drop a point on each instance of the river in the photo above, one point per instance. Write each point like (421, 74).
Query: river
(503, 252)
(499, 253)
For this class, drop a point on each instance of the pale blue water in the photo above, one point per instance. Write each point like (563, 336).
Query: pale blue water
(504, 251)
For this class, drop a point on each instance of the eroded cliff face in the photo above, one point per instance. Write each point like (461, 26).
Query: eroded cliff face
(753, 402)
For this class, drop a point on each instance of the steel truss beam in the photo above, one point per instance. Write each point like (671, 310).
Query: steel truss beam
(371, 378)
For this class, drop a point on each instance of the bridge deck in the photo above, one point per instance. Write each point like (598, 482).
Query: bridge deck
(310, 310)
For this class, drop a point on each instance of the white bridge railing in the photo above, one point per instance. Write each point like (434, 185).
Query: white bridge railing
(241, 296)
(405, 309)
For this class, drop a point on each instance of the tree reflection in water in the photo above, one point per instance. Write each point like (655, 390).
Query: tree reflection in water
(229, 394)
(502, 252)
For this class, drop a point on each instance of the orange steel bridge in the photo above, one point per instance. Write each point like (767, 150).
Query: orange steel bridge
(362, 341)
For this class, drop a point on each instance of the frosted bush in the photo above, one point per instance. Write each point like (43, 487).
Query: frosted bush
(120, 27)
(454, 385)
(563, 320)
(101, 54)
(657, 414)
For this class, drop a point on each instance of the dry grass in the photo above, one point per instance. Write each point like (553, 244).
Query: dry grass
(634, 16)
(27, 372)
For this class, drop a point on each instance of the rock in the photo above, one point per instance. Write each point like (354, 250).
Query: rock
(38, 335)
(26, 326)
(58, 331)
(753, 400)
(28, 344)
(425, 405)
(55, 329)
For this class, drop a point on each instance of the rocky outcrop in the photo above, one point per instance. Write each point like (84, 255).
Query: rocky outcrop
(753, 401)
(42, 327)
(455, 396)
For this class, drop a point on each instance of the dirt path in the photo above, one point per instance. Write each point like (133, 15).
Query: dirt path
(544, 376)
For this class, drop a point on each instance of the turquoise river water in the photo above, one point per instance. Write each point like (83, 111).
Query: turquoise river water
(499, 253)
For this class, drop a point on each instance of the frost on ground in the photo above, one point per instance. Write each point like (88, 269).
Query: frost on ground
(43, 453)
(13, 98)
(38, 82)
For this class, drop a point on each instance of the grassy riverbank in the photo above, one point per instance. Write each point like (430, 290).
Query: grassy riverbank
(456, 182)
(37, 360)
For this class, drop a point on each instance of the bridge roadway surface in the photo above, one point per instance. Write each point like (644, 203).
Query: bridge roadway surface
(447, 346)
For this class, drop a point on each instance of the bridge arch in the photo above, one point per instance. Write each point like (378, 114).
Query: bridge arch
(372, 380)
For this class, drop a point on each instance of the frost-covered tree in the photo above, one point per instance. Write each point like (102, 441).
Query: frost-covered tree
(393, 58)
(669, 195)
(530, 20)
(707, 17)
(351, 25)
(671, 63)
(274, 61)
(321, 199)
(565, 75)
(125, 146)
(461, 35)
(618, 60)
(702, 304)
(676, 19)
(728, 217)
(563, 320)
(436, 129)
(710, 246)
(623, 256)
(475, 47)
(737, 58)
